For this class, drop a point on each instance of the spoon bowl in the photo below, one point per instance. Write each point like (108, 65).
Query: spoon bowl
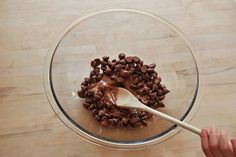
(128, 100)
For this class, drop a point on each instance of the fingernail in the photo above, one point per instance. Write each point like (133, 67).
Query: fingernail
(223, 132)
(212, 129)
(233, 141)
(204, 132)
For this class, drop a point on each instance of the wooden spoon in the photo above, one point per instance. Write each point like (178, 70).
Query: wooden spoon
(126, 99)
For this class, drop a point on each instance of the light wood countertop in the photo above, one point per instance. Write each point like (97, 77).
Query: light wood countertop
(28, 125)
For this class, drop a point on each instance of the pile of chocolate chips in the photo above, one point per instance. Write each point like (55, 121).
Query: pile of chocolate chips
(128, 72)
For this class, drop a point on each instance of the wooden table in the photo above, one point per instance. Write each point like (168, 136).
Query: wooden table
(28, 125)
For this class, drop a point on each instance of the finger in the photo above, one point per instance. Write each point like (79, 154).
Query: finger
(214, 142)
(225, 145)
(233, 142)
(205, 143)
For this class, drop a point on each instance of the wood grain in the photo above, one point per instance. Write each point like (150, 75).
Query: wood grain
(29, 127)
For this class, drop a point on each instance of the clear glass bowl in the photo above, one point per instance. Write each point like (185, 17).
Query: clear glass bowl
(110, 32)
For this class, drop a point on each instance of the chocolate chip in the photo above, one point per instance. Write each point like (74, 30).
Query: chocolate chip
(92, 79)
(118, 67)
(113, 66)
(108, 72)
(95, 105)
(92, 73)
(116, 115)
(146, 90)
(105, 58)
(162, 86)
(84, 88)
(98, 77)
(134, 86)
(90, 107)
(152, 96)
(165, 91)
(104, 118)
(144, 122)
(140, 78)
(110, 122)
(97, 118)
(94, 112)
(108, 104)
(127, 67)
(124, 121)
(129, 59)
(132, 70)
(109, 63)
(159, 78)
(161, 97)
(136, 59)
(146, 76)
(154, 74)
(100, 105)
(150, 70)
(121, 56)
(99, 93)
(93, 64)
(96, 70)
(104, 123)
(134, 120)
(155, 87)
(149, 116)
(114, 77)
(81, 94)
(101, 113)
(159, 92)
(161, 104)
(88, 100)
(153, 65)
(87, 79)
(84, 83)
(136, 81)
(124, 74)
(103, 63)
(97, 60)
(115, 120)
(122, 61)
(141, 63)
(144, 69)
(132, 65)
(141, 85)
(144, 117)
(120, 80)
(108, 115)
(86, 105)
(144, 101)
(156, 81)
(114, 61)
(149, 84)
(151, 102)
(97, 97)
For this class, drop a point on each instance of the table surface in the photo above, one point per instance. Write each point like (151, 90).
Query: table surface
(28, 125)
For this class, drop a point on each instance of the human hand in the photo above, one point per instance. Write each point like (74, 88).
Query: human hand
(215, 143)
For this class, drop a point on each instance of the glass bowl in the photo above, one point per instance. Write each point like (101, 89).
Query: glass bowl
(135, 33)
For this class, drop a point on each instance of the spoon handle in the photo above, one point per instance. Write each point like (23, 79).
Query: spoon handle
(171, 119)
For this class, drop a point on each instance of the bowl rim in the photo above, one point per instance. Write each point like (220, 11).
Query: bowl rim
(189, 114)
